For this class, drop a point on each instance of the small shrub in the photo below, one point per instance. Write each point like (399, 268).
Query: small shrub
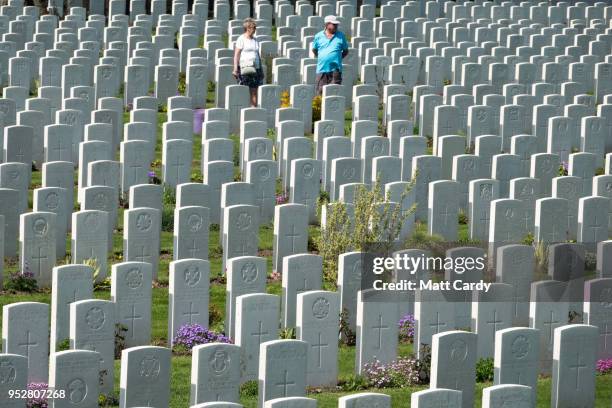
(167, 221)
(348, 336)
(425, 363)
(574, 317)
(484, 370)
(21, 282)
(153, 179)
(249, 389)
(108, 400)
(63, 345)
(353, 383)
(285, 100)
(215, 315)
(104, 284)
(529, 239)
(590, 261)
(462, 217)
(287, 334)
(182, 84)
(120, 331)
(190, 335)
(281, 198)
(541, 256)
(600, 171)
(563, 169)
(93, 264)
(316, 108)
(421, 239)
(406, 327)
(196, 177)
(168, 195)
(41, 401)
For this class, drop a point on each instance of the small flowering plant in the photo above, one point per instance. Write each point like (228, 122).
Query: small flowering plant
(281, 198)
(190, 335)
(406, 328)
(153, 179)
(38, 393)
(604, 366)
(563, 169)
(21, 282)
(399, 373)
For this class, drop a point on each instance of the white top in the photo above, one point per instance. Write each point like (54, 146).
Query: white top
(250, 49)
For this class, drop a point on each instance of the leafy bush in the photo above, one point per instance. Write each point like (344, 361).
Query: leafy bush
(21, 282)
(190, 335)
(484, 370)
(376, 221)
(249, 389)
(37, 402)
(406, 327)
(63, 345)
(563, 169)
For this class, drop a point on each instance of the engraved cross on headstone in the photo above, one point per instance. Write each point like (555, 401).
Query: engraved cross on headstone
(132, 317)
(319, 346)
(191, 313)
(259, 332)
(285, 383)
(380, 329)
(28, 343)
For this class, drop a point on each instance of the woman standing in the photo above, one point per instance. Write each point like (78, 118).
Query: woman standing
(247, 60)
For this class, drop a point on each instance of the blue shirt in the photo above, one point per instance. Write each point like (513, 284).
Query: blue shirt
(329, 56)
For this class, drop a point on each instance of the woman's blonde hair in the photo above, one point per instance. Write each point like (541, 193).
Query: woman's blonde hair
(248, 22)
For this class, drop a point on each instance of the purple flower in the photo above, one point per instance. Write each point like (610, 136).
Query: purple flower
(151, 174)
(604, 366)
(40, 401)
(399, 373)
(406, 327)
(281, 198)
(191, 335)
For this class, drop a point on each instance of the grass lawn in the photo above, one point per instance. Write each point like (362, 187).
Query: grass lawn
(181, 365)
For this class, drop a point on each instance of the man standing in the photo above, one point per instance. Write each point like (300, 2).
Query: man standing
(330, 47)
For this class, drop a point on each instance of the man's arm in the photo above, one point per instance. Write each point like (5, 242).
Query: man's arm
(345, 47)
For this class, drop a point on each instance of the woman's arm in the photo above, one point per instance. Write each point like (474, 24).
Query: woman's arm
(237, 52)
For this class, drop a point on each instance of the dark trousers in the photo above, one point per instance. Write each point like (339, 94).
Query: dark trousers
(326, 78)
